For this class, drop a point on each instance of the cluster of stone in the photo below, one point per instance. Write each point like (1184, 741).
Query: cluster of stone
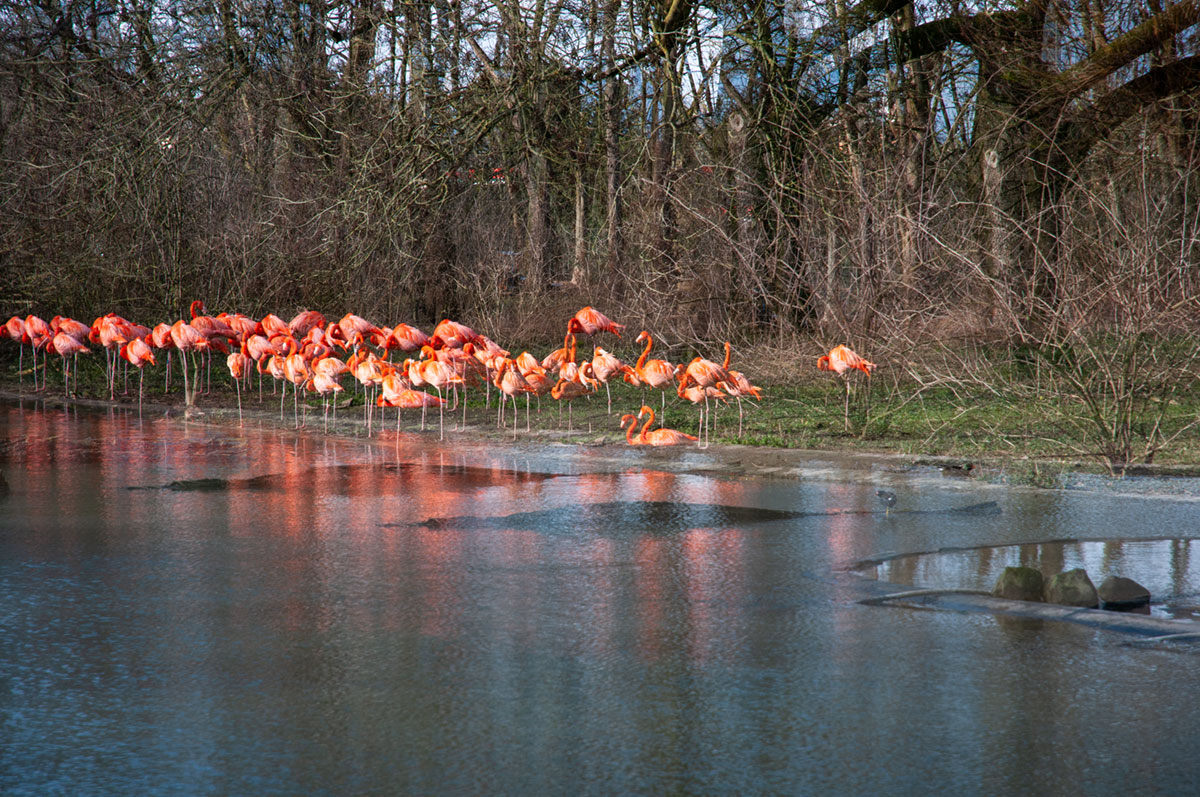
(1071, 588)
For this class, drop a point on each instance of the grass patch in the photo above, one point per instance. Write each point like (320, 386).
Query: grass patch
(1008, 411)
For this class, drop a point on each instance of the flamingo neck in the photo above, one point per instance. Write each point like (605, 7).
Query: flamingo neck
(641, 361)
(646, 427)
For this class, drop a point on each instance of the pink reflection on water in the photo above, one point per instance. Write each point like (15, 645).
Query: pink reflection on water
(715, 571)
(320, 523)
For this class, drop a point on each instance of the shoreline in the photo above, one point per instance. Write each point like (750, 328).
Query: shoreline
(727, 459)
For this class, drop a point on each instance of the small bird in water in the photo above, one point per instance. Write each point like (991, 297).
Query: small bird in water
(888, 498)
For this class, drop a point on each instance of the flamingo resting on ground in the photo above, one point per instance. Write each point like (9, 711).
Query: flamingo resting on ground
(658, 437)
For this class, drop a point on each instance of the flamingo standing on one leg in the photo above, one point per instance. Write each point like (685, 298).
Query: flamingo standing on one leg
(137, 352)
(841, 360)
(237, 362)
(160, 338)
(536, 377)
(658, 374)
(605, 366)
(15, 329)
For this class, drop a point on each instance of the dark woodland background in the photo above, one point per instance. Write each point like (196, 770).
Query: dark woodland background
(713, 170)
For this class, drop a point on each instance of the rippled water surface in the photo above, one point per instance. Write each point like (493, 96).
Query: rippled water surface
(195, 609)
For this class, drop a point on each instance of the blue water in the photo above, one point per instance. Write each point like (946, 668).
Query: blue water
(301, 614)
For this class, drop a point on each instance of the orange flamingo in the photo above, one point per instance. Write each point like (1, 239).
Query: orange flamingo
(605, 366)
(38, 335)
(568, 390)
(187, 338)
(658, 374)
(451, 335)
(214, 330)
(842, 360)
(738, 385)
(658, 437)
(509, 381)
(295, 370)
(272, 325)
(704, 375)
(589, 321)
(325, 385)
(632, 421)
(697, 395)
(237, 362)
(15, 329)
(406, 338)
(64, 345)
(438, 375)
(137, 353)
(409, 399)
(535, 376)
(555, 360)
(77, 330)
(112, 332)
(303, 322)
(356, 328)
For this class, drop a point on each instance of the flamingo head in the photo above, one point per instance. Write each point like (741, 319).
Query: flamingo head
(198, 308)
(823, 363)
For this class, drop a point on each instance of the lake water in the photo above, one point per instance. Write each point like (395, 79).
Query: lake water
(197, 609)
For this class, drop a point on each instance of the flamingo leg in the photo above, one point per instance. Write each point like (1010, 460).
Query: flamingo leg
(846, 416)
(187, 395)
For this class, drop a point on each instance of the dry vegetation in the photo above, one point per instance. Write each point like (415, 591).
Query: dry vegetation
(995, 206)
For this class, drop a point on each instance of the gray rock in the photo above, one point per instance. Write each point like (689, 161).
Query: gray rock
(1122, 594)
(1072, 588)
(1019, 584)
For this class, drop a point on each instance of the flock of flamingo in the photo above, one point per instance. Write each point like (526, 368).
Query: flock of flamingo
(304, 352)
